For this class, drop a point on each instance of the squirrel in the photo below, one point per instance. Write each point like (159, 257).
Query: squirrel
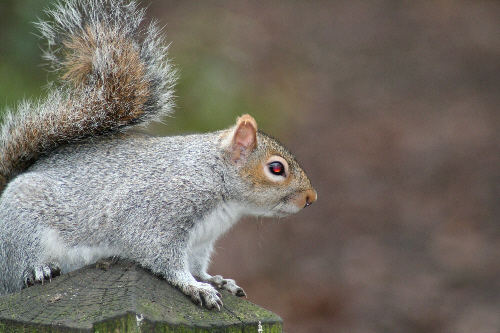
(77, 185)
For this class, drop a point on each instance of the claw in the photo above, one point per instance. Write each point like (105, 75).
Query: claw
(220, 304)
(204, 294)
(240, 293)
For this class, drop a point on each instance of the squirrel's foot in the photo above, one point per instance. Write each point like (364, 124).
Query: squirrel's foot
(204, 294)
(227, 284)
(41, 273)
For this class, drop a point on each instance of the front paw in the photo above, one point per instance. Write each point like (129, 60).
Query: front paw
(41, 273)
(204, 294)
(227, 284)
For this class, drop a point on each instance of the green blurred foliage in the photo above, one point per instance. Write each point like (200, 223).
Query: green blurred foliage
(211, 94)
(21, 75)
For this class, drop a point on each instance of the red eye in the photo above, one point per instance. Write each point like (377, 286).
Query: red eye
(277, 168)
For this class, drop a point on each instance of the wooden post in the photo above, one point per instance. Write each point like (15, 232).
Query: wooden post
(123, 297)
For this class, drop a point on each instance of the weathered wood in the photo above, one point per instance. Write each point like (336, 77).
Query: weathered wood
(123, 298)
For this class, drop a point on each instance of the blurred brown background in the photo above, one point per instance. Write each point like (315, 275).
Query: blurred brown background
(393, 109)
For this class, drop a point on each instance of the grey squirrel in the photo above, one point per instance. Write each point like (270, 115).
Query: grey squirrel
(77, 185)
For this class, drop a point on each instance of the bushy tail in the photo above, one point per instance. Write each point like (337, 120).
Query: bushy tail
(114, 74)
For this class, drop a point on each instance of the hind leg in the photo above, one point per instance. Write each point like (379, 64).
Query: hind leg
(23, 257)
(41, 273)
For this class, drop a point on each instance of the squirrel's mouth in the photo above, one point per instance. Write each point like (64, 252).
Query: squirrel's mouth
(285, 208)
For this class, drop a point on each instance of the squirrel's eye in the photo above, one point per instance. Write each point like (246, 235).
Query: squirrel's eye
(277, 168)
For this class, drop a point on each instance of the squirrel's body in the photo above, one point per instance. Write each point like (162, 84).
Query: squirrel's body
(78, 188)
(79, 176)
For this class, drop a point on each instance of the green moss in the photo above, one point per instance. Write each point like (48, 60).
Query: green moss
(124, 298)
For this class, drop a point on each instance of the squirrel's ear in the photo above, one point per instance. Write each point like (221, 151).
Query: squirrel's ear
(244, 138)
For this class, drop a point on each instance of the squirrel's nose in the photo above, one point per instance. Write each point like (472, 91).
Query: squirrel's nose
(311, 196)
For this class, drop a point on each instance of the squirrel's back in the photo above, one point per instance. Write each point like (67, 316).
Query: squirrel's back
(122, 155)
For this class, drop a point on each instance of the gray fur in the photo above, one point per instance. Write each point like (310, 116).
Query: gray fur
(144, 198)
(162, 202)
(91, 205)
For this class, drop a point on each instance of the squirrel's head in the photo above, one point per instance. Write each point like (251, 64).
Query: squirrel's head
(272, 180)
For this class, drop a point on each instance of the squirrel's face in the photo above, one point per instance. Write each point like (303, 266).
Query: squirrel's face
(274, 183)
